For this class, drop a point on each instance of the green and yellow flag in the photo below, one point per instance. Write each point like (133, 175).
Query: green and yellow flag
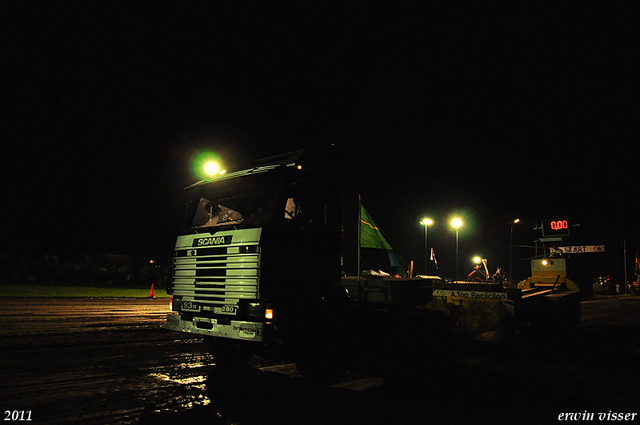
(370, 236)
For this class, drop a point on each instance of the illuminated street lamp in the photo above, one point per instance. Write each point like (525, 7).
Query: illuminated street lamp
(456, 223)
(426, 222)
(516, 221)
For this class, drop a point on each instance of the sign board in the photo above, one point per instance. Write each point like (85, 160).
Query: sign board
(552, 239)
(579, 249)
(455, 296)
(556, 227)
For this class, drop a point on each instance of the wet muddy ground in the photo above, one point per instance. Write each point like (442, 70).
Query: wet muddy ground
(107, 361)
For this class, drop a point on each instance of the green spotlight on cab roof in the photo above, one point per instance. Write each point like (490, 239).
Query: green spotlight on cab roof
(211, 168)
(206, 164)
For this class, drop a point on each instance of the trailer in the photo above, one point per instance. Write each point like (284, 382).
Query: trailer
(489, 312)
(480, 311)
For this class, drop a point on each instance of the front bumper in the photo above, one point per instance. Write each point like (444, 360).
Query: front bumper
(205, 326)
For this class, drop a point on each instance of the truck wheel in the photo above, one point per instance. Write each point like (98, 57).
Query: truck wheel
(229, 351)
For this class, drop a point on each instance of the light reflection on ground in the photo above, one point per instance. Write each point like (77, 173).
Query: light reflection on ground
(183, 381)
(133, 371)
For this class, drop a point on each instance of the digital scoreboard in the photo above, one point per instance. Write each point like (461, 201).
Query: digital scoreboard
(556, 227)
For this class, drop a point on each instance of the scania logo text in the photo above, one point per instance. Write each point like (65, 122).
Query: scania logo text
(212, 240)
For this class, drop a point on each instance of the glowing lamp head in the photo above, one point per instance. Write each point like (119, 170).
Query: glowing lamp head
(426, 222)
(477, 260)
(456, 223)
(211, 168)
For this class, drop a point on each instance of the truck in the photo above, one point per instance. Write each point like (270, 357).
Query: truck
(257, 264)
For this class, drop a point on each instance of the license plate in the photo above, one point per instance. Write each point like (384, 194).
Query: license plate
(190, 306)
(226, 309)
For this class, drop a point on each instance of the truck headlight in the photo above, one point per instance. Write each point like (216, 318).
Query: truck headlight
(254, 310)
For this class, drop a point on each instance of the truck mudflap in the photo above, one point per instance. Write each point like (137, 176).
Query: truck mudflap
(205, 326)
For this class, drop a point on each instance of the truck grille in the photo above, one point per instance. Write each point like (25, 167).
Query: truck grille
(217, 276)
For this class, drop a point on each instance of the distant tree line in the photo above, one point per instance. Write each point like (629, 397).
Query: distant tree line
(81, 269)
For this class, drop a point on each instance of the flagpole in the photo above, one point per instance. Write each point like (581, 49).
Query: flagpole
(359, 236)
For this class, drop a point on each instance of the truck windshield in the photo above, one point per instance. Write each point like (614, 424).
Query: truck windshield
(246, 201)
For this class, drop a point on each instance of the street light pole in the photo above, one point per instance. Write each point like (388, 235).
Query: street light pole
(457, 262)
(517, 220)
(457, 223)
(426, 223)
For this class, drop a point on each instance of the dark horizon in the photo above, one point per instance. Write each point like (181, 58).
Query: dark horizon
(501, 112)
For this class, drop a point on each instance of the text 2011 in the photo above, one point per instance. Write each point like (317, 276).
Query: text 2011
(17, 415)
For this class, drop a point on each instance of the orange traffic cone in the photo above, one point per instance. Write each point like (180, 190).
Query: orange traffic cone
(152, 294)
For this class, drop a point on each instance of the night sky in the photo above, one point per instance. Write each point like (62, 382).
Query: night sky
(492, 111)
